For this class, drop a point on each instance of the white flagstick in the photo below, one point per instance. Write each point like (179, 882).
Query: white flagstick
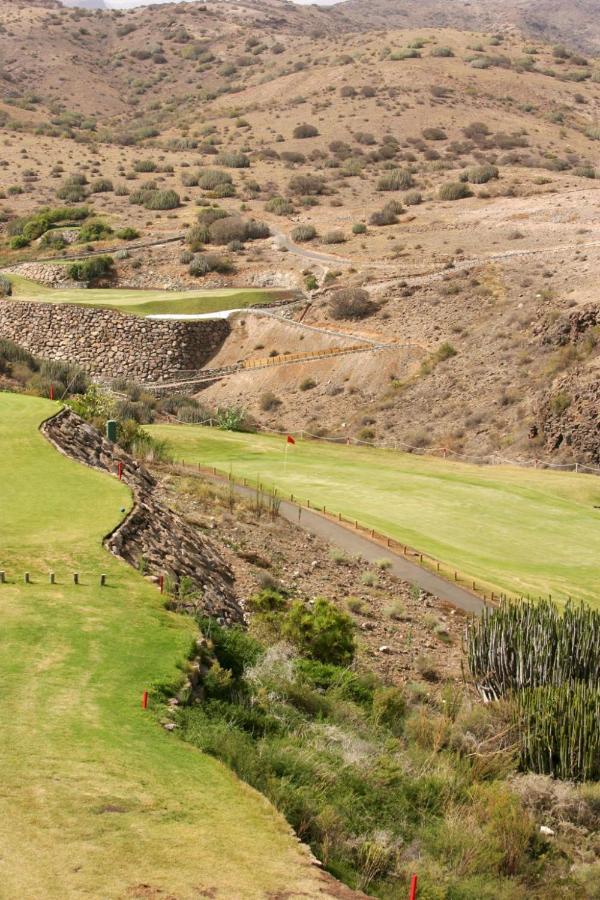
(285, 457)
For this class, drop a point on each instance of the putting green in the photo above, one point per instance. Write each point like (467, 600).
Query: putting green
(147, 303)
(96, 799)
(517, 530)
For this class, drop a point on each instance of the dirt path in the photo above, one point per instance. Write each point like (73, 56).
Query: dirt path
(370, 550)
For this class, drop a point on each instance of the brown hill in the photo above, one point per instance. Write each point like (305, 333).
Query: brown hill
(575, 24)
(367, 137)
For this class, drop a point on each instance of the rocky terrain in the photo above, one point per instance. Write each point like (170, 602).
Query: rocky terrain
(450, 173)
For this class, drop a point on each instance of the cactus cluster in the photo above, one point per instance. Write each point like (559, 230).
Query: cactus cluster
(547, 661)
(559, 730)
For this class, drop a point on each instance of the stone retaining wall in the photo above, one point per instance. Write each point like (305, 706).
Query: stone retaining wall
(110, 344)
(152, 532)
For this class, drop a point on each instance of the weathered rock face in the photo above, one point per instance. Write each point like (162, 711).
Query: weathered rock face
(167, 543)
(577, 425)
(572, 327)
(109, 344)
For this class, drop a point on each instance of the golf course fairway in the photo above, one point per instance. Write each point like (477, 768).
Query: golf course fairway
(147, 302)
(96, 799)
(523, 531)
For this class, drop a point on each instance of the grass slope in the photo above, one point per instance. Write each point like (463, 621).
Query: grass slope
(96, 800)
(146, 303)
(520, 530)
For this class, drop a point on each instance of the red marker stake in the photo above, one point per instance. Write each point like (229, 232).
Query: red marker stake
(52, 392)
(413, 888)
(145, 700)
(120, 470)
(161, 582)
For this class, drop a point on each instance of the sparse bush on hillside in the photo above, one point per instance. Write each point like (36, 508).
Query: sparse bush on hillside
(406, 53)
(212, 178)
(359, 228)
(224, 230)
(351, 303)
(101, 186)
(454, 190)
(153, 199)
(303, 233)
(305, 131)
(334, 237)
(388, 215)
(210, 214)
(482, 174)
(233, 159)
(395, 180)
(5, 286)
(413, 198)
(209, 262)
(280, 206)
(434, 134)
(127, 233)
(145, 165)
(73, 189)
(162, 200)
(442, 52)
(269, 402)
(307, 184)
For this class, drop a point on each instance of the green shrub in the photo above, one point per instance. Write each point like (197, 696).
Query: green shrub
(91, 270)
(406, 53)
(5, 286)
(127, 233)
(359, 228)
(161, 200)
(442, 52)
(94, 230)
(280, 206)
(321, 632)
(454, 190)
(18, 242)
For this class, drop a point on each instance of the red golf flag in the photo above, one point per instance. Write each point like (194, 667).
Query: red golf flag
(290, 439)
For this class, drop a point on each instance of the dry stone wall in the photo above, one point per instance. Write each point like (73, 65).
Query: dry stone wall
(110, 344)
(167, 543)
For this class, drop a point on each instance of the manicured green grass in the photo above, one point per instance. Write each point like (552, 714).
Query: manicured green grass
(146, 303)
(518, 530)
(96, 799)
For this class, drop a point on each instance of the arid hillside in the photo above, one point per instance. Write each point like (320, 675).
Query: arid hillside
(451, 175)
(548, 20)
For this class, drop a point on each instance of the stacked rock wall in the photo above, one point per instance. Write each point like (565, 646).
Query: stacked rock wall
(109, 344)
(167, 543)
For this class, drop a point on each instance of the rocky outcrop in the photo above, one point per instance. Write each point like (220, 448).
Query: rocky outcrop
(570, 416)
(570, 327)
(110, 344)
(152, 533)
